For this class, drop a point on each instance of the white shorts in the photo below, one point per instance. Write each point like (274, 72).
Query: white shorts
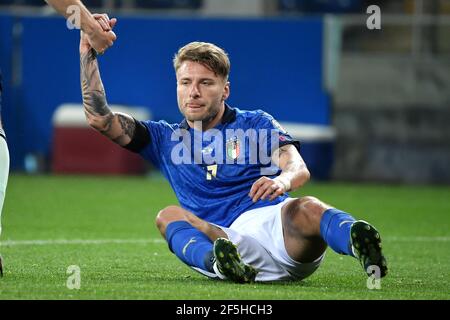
(258, 235)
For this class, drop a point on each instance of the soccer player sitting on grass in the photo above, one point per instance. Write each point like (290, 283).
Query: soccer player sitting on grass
(235, 220)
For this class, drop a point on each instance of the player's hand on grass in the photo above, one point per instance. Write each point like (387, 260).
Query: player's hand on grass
(101, 37)
(265, 187)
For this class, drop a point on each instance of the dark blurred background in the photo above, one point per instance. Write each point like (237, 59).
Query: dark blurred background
(368, 105)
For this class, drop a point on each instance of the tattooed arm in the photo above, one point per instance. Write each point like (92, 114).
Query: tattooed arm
(294, 174)
(118, 127)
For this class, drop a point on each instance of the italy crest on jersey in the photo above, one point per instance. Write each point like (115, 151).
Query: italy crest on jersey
(233, 148)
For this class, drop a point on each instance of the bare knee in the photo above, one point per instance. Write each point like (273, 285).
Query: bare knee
(303, 215)
(168, 215)
(175, 213)
(311, 206)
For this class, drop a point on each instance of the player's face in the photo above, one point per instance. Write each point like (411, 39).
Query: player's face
(200, 92)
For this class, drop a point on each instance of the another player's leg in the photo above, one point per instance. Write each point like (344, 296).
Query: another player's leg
(4, 168)
(202, 245)
(4, 171)
(310, 225)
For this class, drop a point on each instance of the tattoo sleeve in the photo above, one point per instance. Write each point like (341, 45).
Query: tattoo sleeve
(127, 128)
(116, 126)
(287, 162)
(94, 97)
(292, 166)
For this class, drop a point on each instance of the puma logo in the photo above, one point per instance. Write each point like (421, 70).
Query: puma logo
(187, 245)
(344, 222)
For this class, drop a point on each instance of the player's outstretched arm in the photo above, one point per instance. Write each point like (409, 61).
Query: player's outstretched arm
(116, 126)
(294, 174)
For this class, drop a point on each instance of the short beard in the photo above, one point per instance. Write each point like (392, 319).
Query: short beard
(205, 121)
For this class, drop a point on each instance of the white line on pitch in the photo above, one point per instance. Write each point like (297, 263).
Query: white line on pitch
(78, 241)
(417, 239)
(157, 241)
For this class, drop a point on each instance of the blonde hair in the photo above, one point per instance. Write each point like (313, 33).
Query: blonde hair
(207, 54)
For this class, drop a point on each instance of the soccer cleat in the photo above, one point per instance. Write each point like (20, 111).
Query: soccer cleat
(366, 245)
(229, 263)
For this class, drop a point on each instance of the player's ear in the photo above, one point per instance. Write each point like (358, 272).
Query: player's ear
(226, 91)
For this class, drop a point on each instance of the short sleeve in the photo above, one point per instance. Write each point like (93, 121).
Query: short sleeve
(268, 126)
(154, 150)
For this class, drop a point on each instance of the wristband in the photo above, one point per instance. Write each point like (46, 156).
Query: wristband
(285, 182)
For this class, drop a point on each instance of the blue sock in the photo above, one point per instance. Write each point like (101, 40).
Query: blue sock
(190, 245)
(335, 230)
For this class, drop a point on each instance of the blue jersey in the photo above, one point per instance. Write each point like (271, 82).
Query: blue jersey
(213, 171)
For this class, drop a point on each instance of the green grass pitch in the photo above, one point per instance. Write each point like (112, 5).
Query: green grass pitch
(105, 226)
